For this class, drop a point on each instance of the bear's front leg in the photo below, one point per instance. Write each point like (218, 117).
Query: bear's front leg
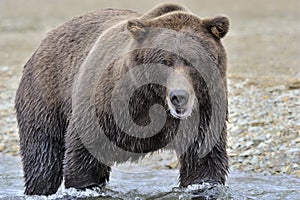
(211, 168)
(81, 169)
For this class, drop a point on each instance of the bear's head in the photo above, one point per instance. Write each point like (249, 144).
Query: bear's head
(191, 47)
(165, 60)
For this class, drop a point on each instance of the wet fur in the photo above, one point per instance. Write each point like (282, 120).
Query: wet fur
(50, 147)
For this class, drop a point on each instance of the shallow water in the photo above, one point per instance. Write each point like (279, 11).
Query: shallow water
(132, 181)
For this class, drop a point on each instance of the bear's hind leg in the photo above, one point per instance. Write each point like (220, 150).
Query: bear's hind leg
(42, 149)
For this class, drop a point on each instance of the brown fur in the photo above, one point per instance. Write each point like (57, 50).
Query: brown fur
(50, 146)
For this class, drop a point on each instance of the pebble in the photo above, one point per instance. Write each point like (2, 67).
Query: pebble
(4, 68)
(2, 147)
(293, 150)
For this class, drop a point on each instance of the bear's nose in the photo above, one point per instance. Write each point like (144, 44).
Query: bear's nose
(179, 98)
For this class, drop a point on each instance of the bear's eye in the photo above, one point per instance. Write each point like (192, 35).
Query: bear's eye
(195, 38)
(166, 62)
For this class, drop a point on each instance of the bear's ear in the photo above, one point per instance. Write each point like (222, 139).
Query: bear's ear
(136, 28)
(218, 26)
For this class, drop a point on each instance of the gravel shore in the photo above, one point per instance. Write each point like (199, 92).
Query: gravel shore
(263, 128)
(264, 106)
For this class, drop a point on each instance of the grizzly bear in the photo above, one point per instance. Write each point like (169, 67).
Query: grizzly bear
(113, 85)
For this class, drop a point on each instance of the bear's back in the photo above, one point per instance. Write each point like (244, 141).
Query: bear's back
(56, 61)
(69, 43)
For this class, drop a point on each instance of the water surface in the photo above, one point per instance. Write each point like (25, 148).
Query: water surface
(133, 181)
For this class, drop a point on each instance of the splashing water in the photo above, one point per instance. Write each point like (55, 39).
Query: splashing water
(134, 181)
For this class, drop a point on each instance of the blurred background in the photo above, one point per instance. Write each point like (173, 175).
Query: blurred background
(263, 41)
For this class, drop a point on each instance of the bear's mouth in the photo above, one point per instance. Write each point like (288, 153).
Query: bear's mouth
(180, 113)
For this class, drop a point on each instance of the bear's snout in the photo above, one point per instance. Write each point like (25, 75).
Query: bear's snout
(179, 98)
(180, 103)
(180, 95)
